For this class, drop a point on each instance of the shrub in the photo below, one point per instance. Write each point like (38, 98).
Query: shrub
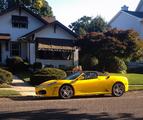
(16, 64)
(88, 61)
(46, 74)
(115, 64)
(37, 65)
(5, 76)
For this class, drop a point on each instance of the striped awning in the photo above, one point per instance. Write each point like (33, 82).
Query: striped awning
(4, 37)
(54, 47)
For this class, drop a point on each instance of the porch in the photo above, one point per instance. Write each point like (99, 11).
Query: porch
(56, 52)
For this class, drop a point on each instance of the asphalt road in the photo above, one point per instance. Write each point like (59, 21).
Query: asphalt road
(127, 107)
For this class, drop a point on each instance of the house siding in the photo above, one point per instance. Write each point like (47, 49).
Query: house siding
(56, 63)
(140, 7)
(37, 27)
(6, 26)
(59, 33)
(125, 21)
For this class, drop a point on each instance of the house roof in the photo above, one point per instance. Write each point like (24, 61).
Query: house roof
(136, 14)
(56, 42)
(44, 26)
(139, 5)
(65, 28)
(4, 37)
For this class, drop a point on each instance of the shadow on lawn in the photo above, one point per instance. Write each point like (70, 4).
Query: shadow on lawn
(63, 114)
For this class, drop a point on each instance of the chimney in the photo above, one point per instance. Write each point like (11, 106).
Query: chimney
(125, 8)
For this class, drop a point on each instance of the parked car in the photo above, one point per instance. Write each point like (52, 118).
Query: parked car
(84, 83)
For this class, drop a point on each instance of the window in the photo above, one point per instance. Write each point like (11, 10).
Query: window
(54, 55)
(15, 49)
(19, 21)
(90, 75)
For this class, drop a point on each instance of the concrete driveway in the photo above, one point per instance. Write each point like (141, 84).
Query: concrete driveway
(22, 87)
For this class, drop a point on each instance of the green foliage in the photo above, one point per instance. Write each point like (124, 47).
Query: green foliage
(98, 25)
(16, 64)
(88, 61)
(115, 64)
(4, 85)
(5, 76)
(5, 93)
(87, 24)
(40, 7)
(37, 65)
(1, 5)
(46, 74)
(125, 45)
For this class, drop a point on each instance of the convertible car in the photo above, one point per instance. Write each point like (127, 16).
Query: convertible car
(82, 84)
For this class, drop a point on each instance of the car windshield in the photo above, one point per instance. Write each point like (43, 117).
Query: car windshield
(73, 76)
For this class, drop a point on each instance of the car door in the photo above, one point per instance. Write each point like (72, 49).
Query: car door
(91, 85)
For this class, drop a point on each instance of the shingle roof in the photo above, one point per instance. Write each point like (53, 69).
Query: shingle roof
(136, 14)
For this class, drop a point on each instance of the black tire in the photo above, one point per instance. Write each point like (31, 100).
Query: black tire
(66, 92)
(118, 89)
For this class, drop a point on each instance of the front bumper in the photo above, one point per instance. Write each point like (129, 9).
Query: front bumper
(49, 92)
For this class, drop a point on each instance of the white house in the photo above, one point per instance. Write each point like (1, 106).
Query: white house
(37, 39)
(126, 19)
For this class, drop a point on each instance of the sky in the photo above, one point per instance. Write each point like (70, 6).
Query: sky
(68, 11)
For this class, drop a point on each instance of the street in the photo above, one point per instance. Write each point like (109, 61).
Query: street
(127, 107)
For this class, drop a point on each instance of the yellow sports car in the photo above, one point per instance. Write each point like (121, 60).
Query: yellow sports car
(82, 84)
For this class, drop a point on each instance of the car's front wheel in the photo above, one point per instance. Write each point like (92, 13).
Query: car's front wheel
(66, 92)
(118, 89)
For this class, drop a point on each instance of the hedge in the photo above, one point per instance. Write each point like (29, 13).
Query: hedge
(5, 76)
(46, 74)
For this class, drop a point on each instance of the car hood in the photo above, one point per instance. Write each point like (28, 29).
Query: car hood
(48, 82)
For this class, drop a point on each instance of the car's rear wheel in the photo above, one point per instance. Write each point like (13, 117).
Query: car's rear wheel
(118, 89)
(66, 92)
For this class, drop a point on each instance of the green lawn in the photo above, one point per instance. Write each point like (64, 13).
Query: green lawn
(134, 79)
(4, 93)
(136, 87)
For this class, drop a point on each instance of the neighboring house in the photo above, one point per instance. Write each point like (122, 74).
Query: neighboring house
(126, 19)
(36, 39)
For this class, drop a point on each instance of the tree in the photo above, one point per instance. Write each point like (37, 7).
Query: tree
(81, 25)
(40, 7)
(97, 25)
(125, 45)
(3, 5)
(87, 24)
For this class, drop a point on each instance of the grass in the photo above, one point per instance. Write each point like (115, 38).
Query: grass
(134, 79)
(4, 93)
(136, 87)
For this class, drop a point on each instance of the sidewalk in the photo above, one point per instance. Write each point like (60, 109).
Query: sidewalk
(22, 87)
